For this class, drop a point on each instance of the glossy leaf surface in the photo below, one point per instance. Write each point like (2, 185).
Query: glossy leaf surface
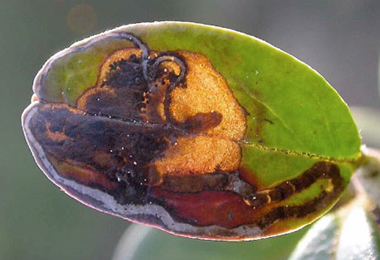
(197, 130)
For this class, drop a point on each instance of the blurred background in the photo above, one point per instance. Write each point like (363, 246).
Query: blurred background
(339, 38)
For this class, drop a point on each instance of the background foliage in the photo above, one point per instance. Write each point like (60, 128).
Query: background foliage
(339, 38)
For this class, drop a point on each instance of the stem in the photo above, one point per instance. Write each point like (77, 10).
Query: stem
(370, 165)
(366, 181)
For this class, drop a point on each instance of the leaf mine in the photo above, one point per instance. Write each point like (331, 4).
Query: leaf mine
(160, 136)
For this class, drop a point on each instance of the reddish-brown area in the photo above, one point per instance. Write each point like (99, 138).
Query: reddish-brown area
(264, 208)
(221, 208)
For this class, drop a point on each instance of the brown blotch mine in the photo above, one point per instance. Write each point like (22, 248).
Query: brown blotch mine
(163, 129)
(203, 116)
(164, 120)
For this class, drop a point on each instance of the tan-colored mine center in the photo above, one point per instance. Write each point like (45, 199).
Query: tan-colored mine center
(206, 91)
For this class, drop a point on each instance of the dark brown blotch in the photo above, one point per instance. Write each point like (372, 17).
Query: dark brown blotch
(110, 146)
(202, 122)
(121, 94)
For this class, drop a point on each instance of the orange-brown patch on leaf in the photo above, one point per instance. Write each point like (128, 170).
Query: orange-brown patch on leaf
(205, 106)
(207, 92)
(200, 155)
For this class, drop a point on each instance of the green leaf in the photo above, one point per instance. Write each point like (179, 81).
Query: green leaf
(197, 130)
(349, 233)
